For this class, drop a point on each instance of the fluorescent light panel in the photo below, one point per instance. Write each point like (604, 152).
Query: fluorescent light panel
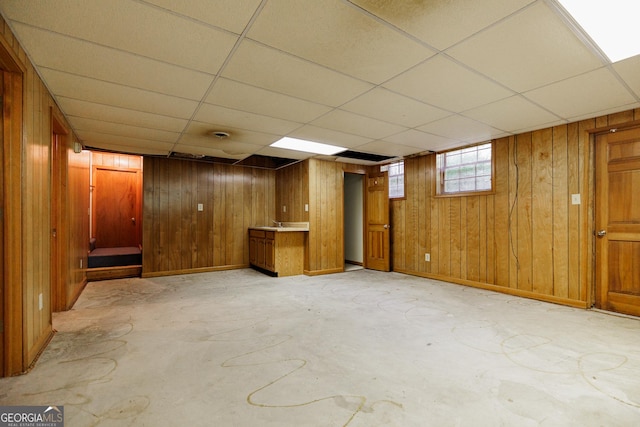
(612, 25)
(307, 146)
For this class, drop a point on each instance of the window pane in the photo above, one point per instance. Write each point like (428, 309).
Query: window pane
(396, 179)
(453, 159)
(451, 186)
(465, 170)
(468, 184)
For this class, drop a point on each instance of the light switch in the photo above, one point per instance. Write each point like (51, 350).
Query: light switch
(284, 208)
(306, 207)
(200, 207)
(575, 199)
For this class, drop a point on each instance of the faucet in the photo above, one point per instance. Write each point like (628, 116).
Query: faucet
(277, 223)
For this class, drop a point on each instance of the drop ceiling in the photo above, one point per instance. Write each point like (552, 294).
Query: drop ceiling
(390, 78)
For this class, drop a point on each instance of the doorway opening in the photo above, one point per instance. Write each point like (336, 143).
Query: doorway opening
(115, 244)
(353, 221)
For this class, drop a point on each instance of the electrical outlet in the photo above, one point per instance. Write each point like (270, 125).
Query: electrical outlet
(575, 199)
(200, 207)
(427, 257)
(40, 305)
(284, 208)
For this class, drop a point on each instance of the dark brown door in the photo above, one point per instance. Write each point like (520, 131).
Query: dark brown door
(377, 251)
(618, 221)
(116, 205)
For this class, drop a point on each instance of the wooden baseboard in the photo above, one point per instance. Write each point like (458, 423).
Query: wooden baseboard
(501, 289)
(107, 273)
(321, 272)
(194, 270)
(347, 261)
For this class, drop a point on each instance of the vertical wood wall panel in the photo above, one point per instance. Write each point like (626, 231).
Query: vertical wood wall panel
(526, 238)
(179, 238)
(30, 107)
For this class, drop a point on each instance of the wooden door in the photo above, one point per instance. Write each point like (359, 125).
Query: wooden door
(116, 207)
(378, 254)
(618, 221)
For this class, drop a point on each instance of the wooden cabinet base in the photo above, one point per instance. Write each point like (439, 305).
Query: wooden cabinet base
(277, 253)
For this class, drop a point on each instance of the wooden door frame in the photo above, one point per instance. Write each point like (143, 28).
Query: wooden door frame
(363, 179)
(14, 350)
(59, 225)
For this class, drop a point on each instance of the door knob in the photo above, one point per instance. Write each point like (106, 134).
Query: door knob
(133, 220)
(387, 226)
(601, 233)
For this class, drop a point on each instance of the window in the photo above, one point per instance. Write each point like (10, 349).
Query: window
(467, 170)
(396, 179)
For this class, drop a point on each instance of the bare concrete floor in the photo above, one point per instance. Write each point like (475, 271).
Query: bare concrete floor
(238, 348)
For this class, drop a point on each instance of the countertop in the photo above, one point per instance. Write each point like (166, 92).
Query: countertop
(286, 227)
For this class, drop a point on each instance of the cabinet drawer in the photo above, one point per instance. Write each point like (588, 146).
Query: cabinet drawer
(257, 233)
(270, 234)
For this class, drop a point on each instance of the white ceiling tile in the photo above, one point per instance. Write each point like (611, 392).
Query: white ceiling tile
(239, 96)
(283, 153)
(232, 15)
(368, 49)
(462, 129)
(422, 140)
(629, 70)
(100, 92)
(118, 129)
(441, 23)
(122, 143)
(138, 67)
(512, 114)
(279, 72)
(197, 150)
(221, 116)
(329, 136)
(388, 106)
(136, 28)
(198, 131)
(230, 146)
(67, 54)
(84, 109)
(445, 84)
(583, 95)
(344, 121)
(530, 49)
(386, 148)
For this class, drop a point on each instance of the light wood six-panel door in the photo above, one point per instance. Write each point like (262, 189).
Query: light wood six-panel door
(618, 221)
(377, 241)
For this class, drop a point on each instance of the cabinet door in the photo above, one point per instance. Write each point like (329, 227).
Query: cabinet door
(270, 254)
(260, 253)
(253, 250)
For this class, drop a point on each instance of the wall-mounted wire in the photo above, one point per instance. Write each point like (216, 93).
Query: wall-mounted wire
(515, 200)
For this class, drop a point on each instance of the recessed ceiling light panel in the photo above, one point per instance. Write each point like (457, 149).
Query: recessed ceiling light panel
(307, 146)
(612, 25)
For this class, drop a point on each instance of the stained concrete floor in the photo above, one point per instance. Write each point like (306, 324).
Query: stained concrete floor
(362, 348)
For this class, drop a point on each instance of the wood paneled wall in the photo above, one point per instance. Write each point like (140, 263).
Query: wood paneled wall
(526, 239)
(292, 191)
(178, 238)
(320, 184)
(77, 184)
(28, 326)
